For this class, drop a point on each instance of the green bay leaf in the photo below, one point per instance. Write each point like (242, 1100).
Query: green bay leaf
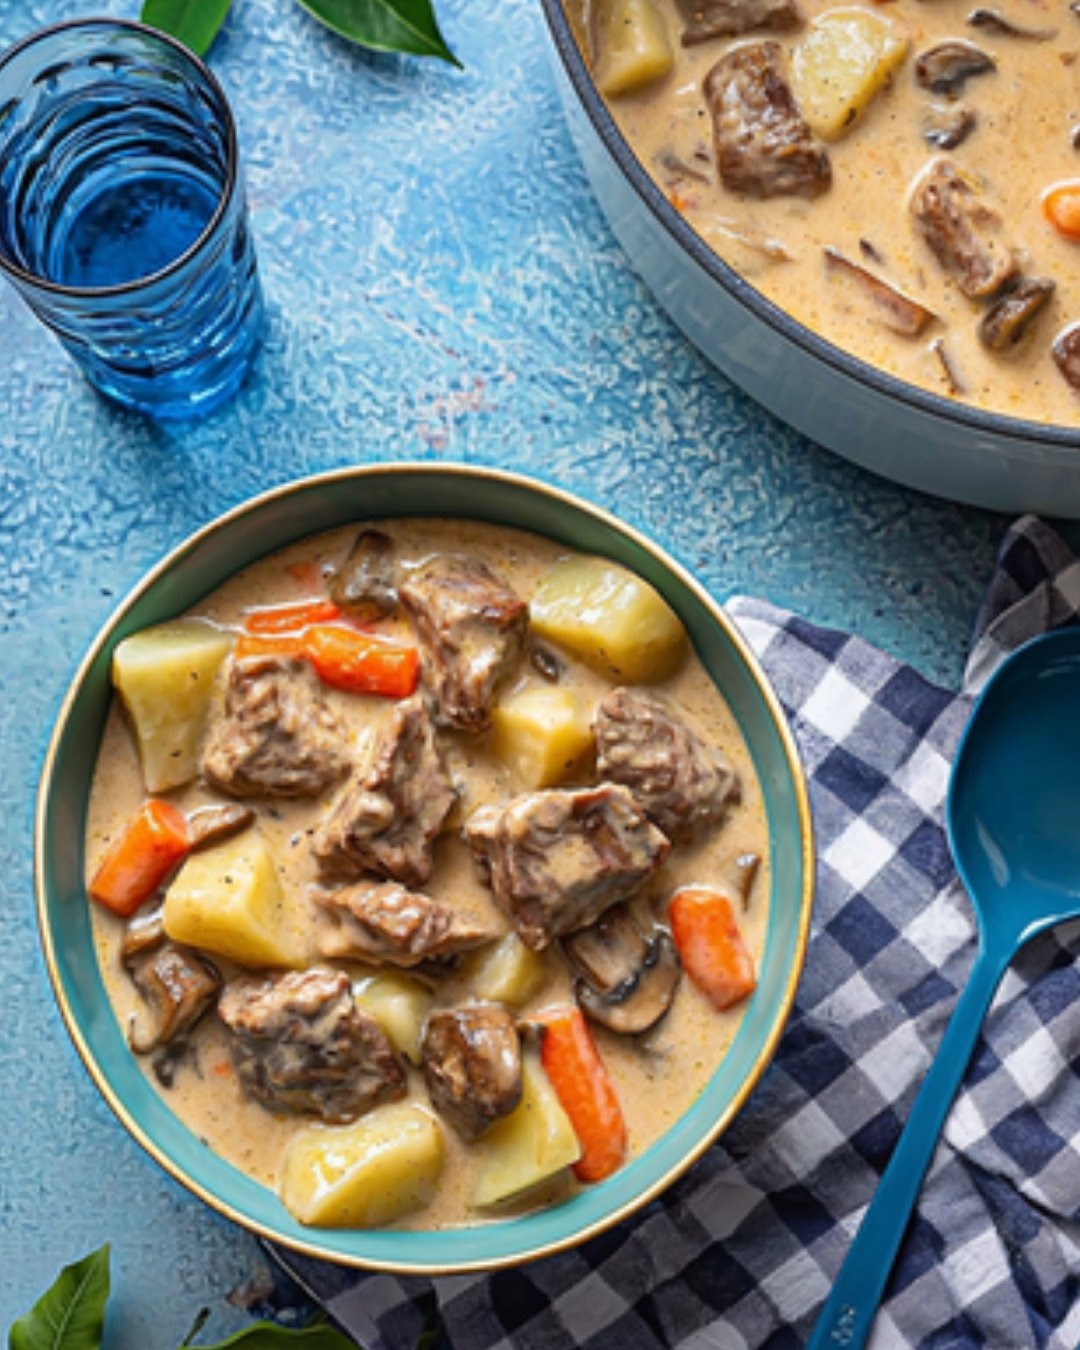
(318, 1335)
(193, 22)
(406, 26)
(71, 1314)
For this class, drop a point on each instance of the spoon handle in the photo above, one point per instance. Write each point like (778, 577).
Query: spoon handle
(845, 1321)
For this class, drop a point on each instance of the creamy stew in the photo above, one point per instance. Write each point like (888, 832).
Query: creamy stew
(797, 136)
(449, 812)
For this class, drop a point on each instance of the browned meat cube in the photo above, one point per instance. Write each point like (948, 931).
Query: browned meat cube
(277, 737)
(301, 1044)
(471, 629)
(708, 19)
(556, 860)
(381, 921)
(678, 780)
(472, 1065)
(764, 147)
(961, 231)
(393, 806)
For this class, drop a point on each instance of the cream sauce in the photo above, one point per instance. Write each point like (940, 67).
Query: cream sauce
(1026, 112)
(657, 1077)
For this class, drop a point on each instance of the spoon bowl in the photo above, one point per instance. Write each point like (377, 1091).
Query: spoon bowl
(1011, 816)
(1014, 794)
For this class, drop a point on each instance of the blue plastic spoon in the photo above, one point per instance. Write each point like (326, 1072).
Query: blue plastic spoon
(1013, 821)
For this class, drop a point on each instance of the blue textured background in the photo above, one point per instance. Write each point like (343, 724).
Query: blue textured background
(441, 285)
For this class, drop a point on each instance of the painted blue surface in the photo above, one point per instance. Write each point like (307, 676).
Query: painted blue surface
(440, 285)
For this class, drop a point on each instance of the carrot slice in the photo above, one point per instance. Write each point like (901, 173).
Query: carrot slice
(348, 660)
(276, 644)
(1061, 207)
(577, 1073)
(153, 843)
(710, 945)
(291, 618)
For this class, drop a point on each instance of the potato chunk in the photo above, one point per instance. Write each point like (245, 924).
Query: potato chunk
(845, 57)
(399, 1005)
(165, 676)
(531, 1145)
(228, 901)
(506, 972)
(543, 732)
(630, 45)
(365, 1174)
(609, 617)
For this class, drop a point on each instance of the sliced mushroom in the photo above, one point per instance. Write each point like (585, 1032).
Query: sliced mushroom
(897, 311)
(626, 978)
(743, 874)
(947, 67)
(545, 663)
(750, 238)
(995, 22)
(177, 986)
(946, 128)
(953, 383)
(213, 824)
(366, 583)
(1066, 354)
(1010, 317)
(143, 933)
(677, 167)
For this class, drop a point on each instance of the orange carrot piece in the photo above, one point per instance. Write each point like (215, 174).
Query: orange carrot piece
(143, 856)
(1061, 207)
(577, 1073)
(259, 644)
(348, 660)
(307, 573)
(291, 618)
(710, 945)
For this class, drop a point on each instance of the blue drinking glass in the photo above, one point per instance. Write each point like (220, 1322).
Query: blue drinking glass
(123, 223)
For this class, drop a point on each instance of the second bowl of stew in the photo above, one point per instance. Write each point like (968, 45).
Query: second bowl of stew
(866, 215)
(424, 867)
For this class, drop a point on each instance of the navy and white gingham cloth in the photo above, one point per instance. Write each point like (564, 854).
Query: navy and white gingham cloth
(739, 1254)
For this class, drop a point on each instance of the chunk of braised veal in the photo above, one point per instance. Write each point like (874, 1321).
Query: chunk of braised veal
(365, 585)
(388, 814)
(961, 230)
(708, 19)
(556, 860)
(471, 629)
(678, 780)
(1066, 354)
(301, 1045)
(472, 1066)
(277, 736)
(764, 147)
(1010, 318)
(383, 922)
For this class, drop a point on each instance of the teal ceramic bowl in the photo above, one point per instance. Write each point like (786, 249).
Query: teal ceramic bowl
(238, 538)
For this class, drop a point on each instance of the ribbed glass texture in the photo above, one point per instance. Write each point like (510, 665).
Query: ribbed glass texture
(122, 216)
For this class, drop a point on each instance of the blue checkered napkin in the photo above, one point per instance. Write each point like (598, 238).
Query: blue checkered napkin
(738, 1255)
